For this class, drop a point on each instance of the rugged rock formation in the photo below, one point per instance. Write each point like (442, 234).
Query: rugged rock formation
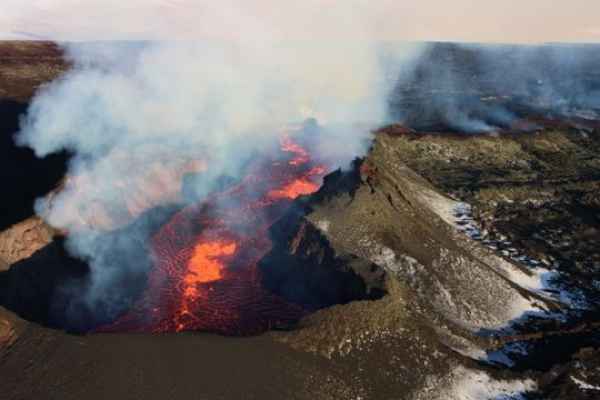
(17, 243)
(533, 202)
(20, 241)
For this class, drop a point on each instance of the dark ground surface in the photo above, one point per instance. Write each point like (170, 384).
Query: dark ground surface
(47, 365)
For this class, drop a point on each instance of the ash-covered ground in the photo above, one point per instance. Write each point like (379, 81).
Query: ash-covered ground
(476, 256)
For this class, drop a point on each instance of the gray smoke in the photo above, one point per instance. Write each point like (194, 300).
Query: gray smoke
(480, 88)
(138, 116)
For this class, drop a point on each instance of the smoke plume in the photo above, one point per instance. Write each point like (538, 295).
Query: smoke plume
(138, 116)
(481, 88)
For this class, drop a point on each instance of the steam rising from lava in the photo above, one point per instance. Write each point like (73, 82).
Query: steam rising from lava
(480, 88)
(206, 275)
(138, 117)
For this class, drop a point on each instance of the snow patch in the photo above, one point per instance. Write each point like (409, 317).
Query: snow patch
(531, 276)
(584, 385)
(503, 356)
(572, 298)
(469, 384)
(477, 385)
(444, 207)
(324, 225)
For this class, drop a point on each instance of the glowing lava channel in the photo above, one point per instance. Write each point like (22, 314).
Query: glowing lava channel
(299, 187)
(206, 275)
(205, 266)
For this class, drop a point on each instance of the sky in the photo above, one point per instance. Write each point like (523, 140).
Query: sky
(458, 20)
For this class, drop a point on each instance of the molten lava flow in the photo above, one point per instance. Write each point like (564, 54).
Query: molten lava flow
(298, 187)
(302, 156)
(295, 189)
(204, 266)
(206, 276)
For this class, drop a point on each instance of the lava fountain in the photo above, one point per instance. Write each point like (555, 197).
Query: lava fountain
(206, 275)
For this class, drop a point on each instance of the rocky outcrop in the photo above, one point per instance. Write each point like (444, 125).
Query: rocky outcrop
(305, 269)
(20, 241)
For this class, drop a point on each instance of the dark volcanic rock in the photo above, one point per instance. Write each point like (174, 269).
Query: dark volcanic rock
(24, 67)
(27, 176)
(55, 288)
(31, 288)
(303, 268)
(577, 379)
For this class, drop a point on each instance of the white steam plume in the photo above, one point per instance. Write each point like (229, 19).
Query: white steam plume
(127, 109)
(480, 88)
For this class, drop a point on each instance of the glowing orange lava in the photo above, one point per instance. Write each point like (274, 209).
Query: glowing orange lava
(206, 275)
(294, 190)
(204, 266)
(302, 156)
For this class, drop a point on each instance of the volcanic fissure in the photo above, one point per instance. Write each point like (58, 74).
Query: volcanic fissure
(220, 264)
